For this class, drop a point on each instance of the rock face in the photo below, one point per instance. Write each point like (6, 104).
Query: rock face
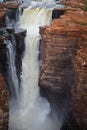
(80, 90)
(20, 47)
(3, 105)
(63, 75)
(16, 38)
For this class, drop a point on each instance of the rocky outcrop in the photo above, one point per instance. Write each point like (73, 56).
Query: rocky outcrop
(3, 105)
(64, 61)
(63, 72)
(8, 11)
(80, 90)
(20, 47)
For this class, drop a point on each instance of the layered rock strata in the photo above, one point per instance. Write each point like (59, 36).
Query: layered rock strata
(63, 72)
(80, 90)
(63, 54)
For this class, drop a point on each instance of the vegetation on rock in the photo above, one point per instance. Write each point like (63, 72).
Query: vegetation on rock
(85, 6)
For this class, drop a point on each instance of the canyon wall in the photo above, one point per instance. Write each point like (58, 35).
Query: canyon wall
(3, 104)
(8, 17)
(63, 75)
(63, 51)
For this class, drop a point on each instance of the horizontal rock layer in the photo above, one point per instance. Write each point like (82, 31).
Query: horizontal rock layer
(80, 90)
(63, 71)
(63, 51)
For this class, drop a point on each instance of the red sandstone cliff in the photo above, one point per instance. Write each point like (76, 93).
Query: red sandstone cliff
(64, 59)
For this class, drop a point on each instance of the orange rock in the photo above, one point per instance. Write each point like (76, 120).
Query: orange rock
(64, 52)
(12, 5)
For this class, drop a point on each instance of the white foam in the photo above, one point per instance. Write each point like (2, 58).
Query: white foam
(33, 111)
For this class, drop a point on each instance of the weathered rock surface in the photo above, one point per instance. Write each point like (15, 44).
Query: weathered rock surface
(80, 90)
(20, 47)
(8, 34)
(3, 105)
(8, 9)
(63, 77)
(64, 67)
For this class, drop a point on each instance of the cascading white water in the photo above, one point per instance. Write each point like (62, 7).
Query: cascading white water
(31, 20)
(32, 112)
(12, 72)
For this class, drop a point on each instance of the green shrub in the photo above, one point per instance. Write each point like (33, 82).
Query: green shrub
(83, 24)
(85, 6)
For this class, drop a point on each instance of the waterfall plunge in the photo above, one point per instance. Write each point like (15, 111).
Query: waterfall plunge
(32, 112)
(12, 72)
(31, 20)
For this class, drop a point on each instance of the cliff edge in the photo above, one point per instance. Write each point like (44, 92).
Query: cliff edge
(64, 62)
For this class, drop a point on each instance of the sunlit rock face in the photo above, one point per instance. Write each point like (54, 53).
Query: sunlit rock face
(63, 52)
(80, 90)
(58, 49)
(71, 28)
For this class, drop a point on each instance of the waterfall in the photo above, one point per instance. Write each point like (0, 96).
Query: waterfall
(31, 111)
(31, 20)
(13, 83)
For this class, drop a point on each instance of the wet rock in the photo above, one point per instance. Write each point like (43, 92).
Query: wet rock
(8, 35)
(3, 57)
(10, 30)
(2, 18)
(8, 13)
(20, 47)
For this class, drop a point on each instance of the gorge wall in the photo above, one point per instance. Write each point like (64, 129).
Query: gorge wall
(16, 37)
(64, 63)
(63, 48)
(3, 104)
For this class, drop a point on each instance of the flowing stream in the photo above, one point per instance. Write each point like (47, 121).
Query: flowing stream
(30, 111)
